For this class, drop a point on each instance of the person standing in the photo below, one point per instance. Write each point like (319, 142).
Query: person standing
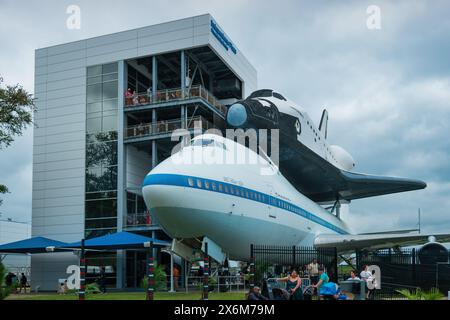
(102, 280)
(23, 283)
(323, 279)
(313, 271)
(293, 285)
(176, 276)
(365, 275)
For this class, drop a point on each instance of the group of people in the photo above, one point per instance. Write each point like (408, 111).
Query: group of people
(317, 274)
(132, 98)
(320, 283)
(13, 281)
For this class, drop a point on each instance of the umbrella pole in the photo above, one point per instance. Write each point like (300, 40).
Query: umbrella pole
(81, 292)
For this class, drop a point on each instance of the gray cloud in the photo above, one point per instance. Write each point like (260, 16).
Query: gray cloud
(387, 91)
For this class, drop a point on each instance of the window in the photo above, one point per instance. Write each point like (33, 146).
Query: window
(206, 184)
(203, 143)
(279, 96)
(199, 183)
(213, 185)
(231, 190)
(190, 182)
(220, 187)
(101, 150)
(226, 188)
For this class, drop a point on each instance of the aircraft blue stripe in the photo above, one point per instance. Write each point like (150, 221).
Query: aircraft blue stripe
(242, 192)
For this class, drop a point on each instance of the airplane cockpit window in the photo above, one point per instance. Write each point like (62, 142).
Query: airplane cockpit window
(207, 143)
(203, 142)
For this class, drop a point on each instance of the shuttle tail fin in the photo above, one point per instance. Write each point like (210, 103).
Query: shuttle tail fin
(323, 127)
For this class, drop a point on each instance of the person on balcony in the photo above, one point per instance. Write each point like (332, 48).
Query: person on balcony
(135, 98)
(128, 97)
(149, 94)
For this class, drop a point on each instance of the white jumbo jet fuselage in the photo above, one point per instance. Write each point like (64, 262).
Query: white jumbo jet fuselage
(198, 192)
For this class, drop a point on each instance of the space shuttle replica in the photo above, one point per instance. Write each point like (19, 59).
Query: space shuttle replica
(231, 206)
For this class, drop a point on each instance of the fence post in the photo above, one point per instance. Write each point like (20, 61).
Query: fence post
(293, 258)
(414, 267)
(252, 266)
(206, 273)
(82, 292)
(150, 273)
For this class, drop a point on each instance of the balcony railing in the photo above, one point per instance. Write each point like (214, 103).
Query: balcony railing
(164, 127)
(139, 220)
(175, 95)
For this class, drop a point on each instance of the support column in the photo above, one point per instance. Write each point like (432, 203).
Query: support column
(150, 272)
(154, 76)
(183, 87)
(171, 273)
(154, 237)
(121, 171)
(206, 273)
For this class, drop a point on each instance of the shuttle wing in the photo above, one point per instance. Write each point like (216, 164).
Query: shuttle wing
(345, 243)
(358, 185)
(321, 181)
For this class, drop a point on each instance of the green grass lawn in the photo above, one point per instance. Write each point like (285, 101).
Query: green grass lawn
(130, 296)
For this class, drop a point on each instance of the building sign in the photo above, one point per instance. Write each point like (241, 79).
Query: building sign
(227, 44)
(73, 280)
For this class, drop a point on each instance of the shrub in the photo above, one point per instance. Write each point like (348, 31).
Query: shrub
(418, 294)
(4, 291)
(160, 279)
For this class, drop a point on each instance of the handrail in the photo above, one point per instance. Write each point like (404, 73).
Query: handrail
(173, 95)
(161, 127)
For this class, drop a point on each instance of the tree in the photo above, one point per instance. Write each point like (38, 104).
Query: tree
(16, 114)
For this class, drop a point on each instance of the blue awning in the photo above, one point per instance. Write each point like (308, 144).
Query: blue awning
(117, 241)
(32, 245)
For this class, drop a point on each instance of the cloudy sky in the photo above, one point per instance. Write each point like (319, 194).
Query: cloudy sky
(387, 90)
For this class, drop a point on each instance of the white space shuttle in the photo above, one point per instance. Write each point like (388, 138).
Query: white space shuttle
(204, 192)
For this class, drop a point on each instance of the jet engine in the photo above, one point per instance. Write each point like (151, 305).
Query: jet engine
(432, 253)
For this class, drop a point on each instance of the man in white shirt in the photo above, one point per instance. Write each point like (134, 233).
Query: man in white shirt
(313, 270)
(365, 275)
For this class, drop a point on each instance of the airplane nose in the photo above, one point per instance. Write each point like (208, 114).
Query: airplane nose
(237, 115)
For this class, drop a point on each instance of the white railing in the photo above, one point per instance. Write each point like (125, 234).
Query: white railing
(166, 95)
(163, 127)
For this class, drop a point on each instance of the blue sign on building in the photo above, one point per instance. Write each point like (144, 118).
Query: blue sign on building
(227, 44)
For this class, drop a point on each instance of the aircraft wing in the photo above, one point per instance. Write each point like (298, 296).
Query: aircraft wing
(345, 243)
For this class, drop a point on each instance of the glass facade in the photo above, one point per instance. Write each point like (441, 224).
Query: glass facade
(101, 150)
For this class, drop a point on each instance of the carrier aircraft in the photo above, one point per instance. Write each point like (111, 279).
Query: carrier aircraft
(217, 191)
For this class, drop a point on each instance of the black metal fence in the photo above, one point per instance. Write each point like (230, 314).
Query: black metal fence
(273, 261)
(402, 268)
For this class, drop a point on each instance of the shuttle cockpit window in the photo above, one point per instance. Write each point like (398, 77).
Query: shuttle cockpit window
(279, 96)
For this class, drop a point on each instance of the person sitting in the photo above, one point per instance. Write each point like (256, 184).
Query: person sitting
(255, 294)
(353, 276)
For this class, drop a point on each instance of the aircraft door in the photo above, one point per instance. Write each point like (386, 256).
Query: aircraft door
(271, 203)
